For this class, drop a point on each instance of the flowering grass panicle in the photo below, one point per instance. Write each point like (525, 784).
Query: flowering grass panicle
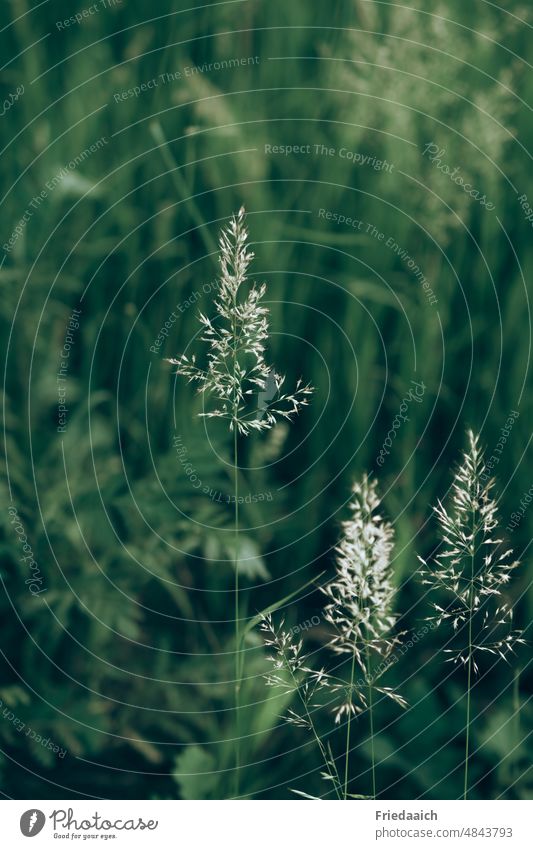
(361, 597)
(359, 609)
(290, 672)
(473, 568)
(236, 368)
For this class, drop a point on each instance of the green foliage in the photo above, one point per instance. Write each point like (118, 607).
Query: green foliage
(126, 660)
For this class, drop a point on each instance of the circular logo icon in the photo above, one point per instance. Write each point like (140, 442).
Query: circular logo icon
(32, 822)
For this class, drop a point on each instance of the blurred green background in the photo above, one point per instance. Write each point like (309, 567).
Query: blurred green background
(126, 660)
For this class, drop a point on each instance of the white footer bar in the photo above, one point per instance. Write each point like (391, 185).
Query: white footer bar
(268, 824)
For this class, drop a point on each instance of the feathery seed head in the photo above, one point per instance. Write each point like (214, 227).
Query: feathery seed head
(473, 568)
(236, 367)
(360, 600)
(361, 594)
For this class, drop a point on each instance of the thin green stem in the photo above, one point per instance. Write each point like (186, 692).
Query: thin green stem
(469, 680)
(516, 711)
(371, 714)
(237, 634)
(467, 744)
(347, 755)
(327, 760)
(325, 757)
(371, 718)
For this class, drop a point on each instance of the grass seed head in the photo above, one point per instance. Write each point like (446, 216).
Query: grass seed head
(236, 368)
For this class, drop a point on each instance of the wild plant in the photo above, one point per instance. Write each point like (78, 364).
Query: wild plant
(292, 675)
(235, 373)
(360, 612)
(472, 570)
(360, 609)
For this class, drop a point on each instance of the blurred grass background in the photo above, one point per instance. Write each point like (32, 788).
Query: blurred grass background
(125, 660)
